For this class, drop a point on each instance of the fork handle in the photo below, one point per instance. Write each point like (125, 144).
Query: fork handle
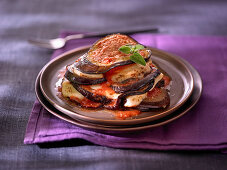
(89, 35)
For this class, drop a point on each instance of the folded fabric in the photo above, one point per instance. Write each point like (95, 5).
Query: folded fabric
(202, 128)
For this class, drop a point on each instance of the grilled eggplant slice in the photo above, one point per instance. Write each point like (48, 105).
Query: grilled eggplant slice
(135, 84)
(134, 98)
(76, 77)
(86, 66)
(159, 101)
(105, 55)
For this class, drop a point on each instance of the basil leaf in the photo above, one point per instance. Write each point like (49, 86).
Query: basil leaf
(133, 49)
(137, 58)
(125, 49)
(139, 47)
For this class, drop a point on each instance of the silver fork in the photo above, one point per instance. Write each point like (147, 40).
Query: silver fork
(60, 42)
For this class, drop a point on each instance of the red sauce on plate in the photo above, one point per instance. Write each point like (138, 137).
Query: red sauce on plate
(126, 114)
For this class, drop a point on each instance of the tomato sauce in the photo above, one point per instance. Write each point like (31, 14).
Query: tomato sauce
(77, 60)
(166, 80)
(113, 71)
(105, 87)
(126, 114)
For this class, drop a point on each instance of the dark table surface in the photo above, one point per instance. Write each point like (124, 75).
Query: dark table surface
(20, 63)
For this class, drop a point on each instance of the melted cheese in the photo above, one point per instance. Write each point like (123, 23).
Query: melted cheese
(108, 92)
(112, 95)
(95, 87)
(68, 90)
(133, 101)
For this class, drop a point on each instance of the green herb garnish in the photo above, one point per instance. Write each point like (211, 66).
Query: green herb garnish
(134, 50)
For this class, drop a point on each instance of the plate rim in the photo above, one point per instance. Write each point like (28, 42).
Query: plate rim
(117, 121)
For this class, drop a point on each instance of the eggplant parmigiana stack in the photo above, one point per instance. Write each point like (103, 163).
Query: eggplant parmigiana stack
(106, 77)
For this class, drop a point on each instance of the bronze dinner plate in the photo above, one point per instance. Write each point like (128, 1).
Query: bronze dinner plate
(176, 67)
(193, 99)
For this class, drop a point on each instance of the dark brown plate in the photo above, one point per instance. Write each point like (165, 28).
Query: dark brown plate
(176, 67)
(193, 99)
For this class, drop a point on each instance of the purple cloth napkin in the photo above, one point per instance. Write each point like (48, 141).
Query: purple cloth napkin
(203, 128)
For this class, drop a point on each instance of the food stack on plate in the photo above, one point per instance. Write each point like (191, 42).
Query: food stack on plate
(117, 73)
